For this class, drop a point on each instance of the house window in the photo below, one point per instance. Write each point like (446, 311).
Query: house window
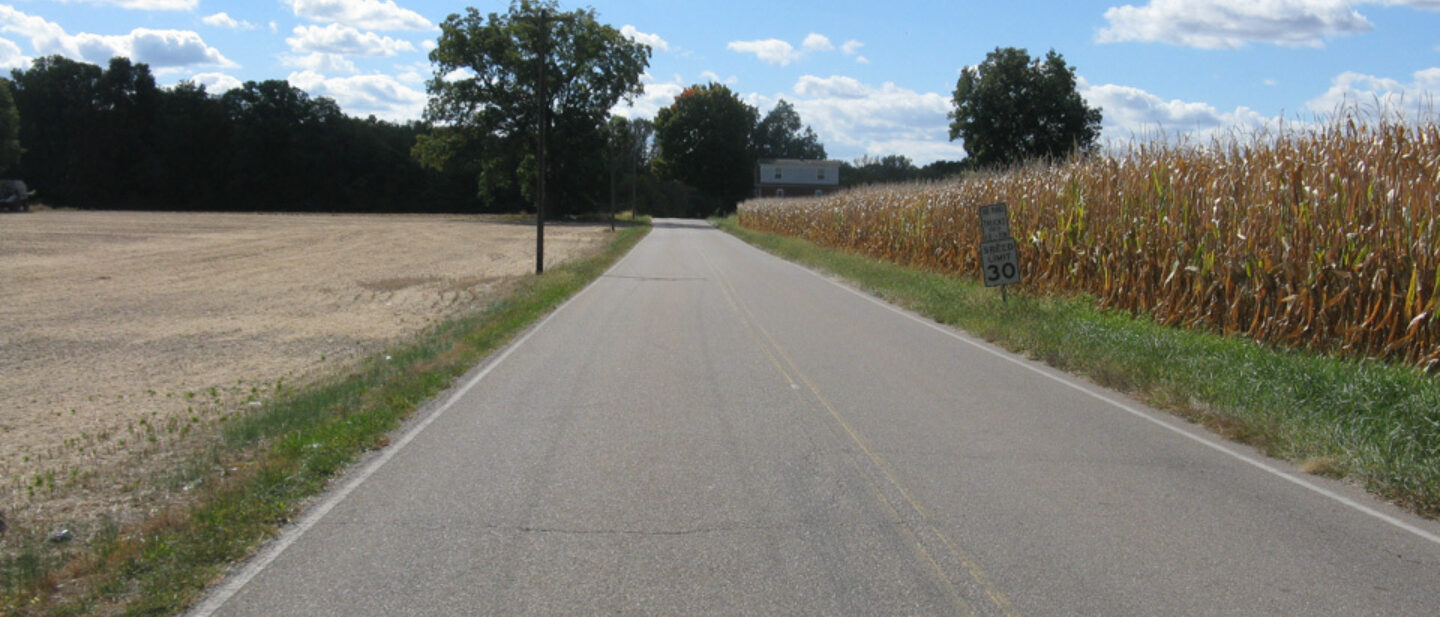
(821, 174)
(777, 173)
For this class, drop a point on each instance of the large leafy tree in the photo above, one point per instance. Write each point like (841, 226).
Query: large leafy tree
(285, 144)
(1013, 108)
(704, 141)
(484, 98)
(780, 135)
(56, 100)
(10, 149)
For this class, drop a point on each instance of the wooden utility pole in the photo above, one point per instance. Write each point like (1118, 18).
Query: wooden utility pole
(610, 133)
(542, 22)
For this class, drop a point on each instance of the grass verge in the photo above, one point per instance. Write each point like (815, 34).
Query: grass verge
(268, 463)
(1376, 423)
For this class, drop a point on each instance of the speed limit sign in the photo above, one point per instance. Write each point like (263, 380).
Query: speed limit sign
(1000, 262)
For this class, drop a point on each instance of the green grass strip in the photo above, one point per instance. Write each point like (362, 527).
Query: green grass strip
(1376, 423)
(276, 459)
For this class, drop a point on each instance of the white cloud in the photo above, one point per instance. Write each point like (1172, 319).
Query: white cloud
(363, 14)
(848, 114)
(1132, 113)
(835, 86)
(362, 95)
(224, 20)
(413, 73)
(817, 42)
(851, 47)
(715, 77)
(772, 51)
(320, 62)
(11, 57)
(216, 83)
(1379, 95)
(146, 5)
(1232, 24)
(338, 39)
(653, 40)
(158, 48)
(921, 152)
(657, 95)
(166, 48)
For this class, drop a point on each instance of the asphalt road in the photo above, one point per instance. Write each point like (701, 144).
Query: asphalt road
(708, 430)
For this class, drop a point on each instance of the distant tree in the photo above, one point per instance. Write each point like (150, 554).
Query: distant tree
(878, 170)
(10, 149)
(283, 146)
(126, 102)
(628, 151)
(780, 135)
(939, 170)
(484, 98)
(704, 141)
(192, 145)
(1012, 108)
(56, 100)
(109, 138)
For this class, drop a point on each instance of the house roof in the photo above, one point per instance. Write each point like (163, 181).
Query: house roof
(799, 162)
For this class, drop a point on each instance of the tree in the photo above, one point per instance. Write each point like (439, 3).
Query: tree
(779, 136)
(1012, 108)
(878, 170)
(10, 149)
(56, 100)
(283, 145)
(704, 141)
(484, 98)
(627, 150)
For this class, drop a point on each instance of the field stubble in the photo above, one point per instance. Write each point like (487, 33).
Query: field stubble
(128, 337)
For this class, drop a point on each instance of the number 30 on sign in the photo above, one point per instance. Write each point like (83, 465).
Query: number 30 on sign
(1000, 261)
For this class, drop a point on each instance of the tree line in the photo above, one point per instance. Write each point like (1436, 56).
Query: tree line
(108, 138)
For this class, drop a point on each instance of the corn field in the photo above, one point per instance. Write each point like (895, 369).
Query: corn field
(1324, 238)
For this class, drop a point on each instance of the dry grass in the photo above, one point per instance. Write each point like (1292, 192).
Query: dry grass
(1321, 238)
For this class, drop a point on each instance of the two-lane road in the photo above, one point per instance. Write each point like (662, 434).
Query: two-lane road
(708, 430)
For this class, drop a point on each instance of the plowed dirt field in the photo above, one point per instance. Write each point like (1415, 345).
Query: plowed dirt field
(120, 332)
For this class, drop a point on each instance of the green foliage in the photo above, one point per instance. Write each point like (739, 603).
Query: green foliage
(485, 98)
(896, 168)
(1012, 109)
(704, 141)
(779, 135)
(108, 138)
(10, 149)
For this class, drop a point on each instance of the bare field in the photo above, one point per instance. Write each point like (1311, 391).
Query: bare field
(125, 335)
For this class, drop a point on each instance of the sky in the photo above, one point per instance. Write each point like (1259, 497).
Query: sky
(872, 78)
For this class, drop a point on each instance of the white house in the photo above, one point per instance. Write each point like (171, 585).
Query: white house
(795, 178)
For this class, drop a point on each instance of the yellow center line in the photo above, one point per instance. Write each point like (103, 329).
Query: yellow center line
(977, 574)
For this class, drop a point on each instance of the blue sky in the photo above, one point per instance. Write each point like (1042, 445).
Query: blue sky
(870, 77)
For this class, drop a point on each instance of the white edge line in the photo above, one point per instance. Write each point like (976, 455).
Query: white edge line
(1202, 440)
(271, 552)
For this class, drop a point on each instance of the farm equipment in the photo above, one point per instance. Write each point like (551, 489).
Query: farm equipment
(15, 196)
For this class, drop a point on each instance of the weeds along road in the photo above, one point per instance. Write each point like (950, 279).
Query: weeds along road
(708, 430)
